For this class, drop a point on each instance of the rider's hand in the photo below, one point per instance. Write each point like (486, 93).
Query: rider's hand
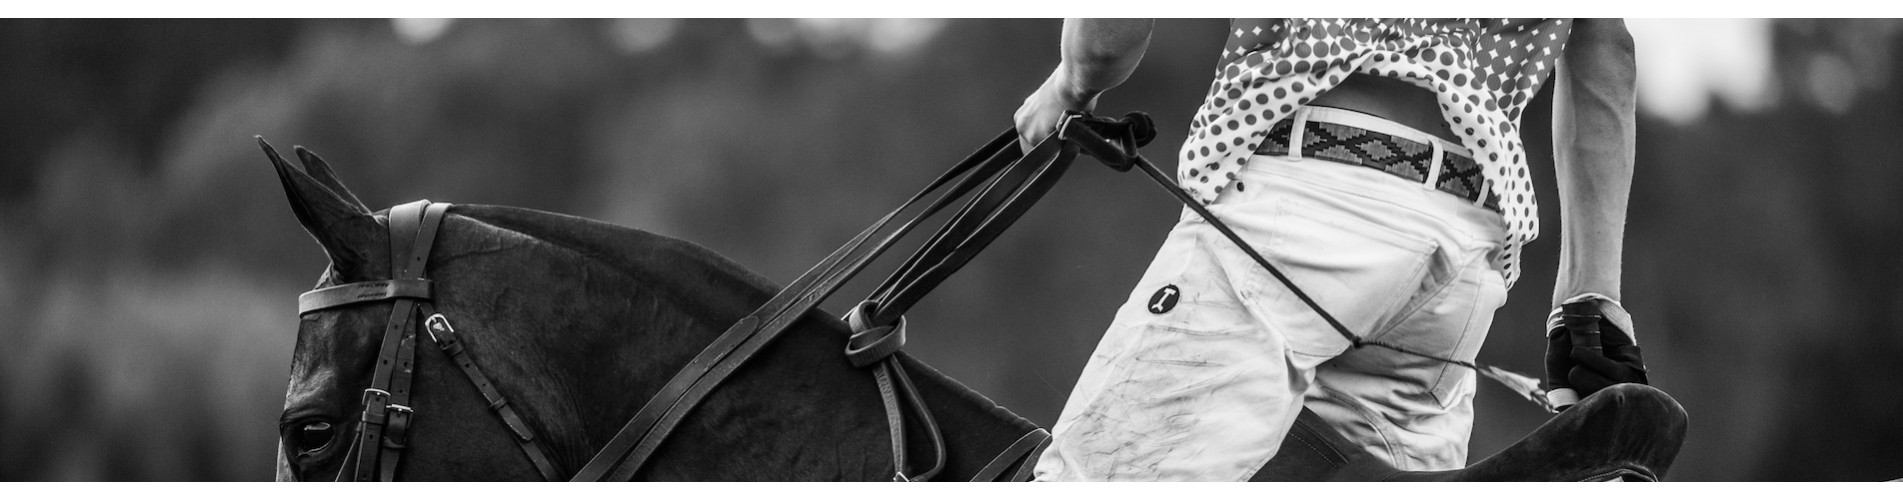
(1589, 346)
(1043, 109)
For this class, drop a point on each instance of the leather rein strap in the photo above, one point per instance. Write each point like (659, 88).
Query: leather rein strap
(629, 450)
(383, 427)
(1012, 182)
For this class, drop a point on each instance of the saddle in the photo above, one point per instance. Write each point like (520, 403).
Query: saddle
(1627, 432)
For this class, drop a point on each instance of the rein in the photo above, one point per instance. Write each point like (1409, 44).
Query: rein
(1012, 181)
(1006, 180)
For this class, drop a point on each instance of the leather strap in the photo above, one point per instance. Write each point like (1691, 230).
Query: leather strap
(397, 419)
(796, 295)
(446, 339)
(981, 221)
(974, 227)
(1028, 467)
(623, 456)
(1012, 181)
(363, 291)
(404, 221)
(874, 346)
(894, 418)
(978, 223)
(1005, 161)
(1022, 452)
(869, 344)
(396, 430)
(916, 402)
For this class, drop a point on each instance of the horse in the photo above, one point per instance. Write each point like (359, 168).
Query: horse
(575, 322)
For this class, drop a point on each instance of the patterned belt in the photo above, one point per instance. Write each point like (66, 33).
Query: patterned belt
(1459, 175)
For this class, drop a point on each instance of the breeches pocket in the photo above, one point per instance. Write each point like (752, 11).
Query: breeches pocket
(1354, 256)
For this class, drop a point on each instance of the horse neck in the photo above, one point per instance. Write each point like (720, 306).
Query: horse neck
(796, 412)
(614, 325)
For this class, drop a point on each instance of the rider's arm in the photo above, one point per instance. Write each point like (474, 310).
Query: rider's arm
(1593, 107)
(1098, 54)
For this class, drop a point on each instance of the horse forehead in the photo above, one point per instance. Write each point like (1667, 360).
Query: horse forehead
(330, 344)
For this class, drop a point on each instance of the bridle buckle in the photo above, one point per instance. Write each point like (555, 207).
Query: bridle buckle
(434, 322)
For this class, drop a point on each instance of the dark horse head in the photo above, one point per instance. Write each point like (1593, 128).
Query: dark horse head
(578, 322)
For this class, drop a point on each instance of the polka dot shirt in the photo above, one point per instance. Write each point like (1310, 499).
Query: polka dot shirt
(1483, 71)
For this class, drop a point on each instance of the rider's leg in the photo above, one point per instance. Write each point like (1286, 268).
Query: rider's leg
(1413, 411)
(1202, 372)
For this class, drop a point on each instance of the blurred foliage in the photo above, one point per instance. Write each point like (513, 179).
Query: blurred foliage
(148, 263)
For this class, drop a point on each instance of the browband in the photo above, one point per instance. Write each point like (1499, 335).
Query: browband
(363, 291)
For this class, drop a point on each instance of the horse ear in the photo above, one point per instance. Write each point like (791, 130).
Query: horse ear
(324, 175)
(345, 229)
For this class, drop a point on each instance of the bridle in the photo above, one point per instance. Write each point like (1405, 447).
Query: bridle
(1011, 182)
(383, 427)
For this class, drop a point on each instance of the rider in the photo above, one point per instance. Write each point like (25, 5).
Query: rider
(1378, 163)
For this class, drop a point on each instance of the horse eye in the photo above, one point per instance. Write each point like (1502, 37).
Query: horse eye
(314, 436)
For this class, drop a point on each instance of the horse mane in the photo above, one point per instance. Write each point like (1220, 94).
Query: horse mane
(640, 253)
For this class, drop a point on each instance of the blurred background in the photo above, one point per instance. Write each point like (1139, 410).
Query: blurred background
(149, 264)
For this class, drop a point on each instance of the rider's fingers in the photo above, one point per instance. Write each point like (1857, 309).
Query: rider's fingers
(1033, 129)
(1558, 360)
(1588, 381)
(1597, 361)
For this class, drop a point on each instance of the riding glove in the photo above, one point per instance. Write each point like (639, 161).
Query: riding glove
(1590, 345)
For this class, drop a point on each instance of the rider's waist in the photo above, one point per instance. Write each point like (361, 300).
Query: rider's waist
(1354, 138)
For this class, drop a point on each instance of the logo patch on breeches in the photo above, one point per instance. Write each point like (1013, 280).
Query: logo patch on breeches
(1164, 299)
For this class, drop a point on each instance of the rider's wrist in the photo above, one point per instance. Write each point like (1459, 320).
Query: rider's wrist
(1070, 88)
(1609, 308)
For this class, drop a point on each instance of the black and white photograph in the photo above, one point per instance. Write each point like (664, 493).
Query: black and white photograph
(951, 249)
